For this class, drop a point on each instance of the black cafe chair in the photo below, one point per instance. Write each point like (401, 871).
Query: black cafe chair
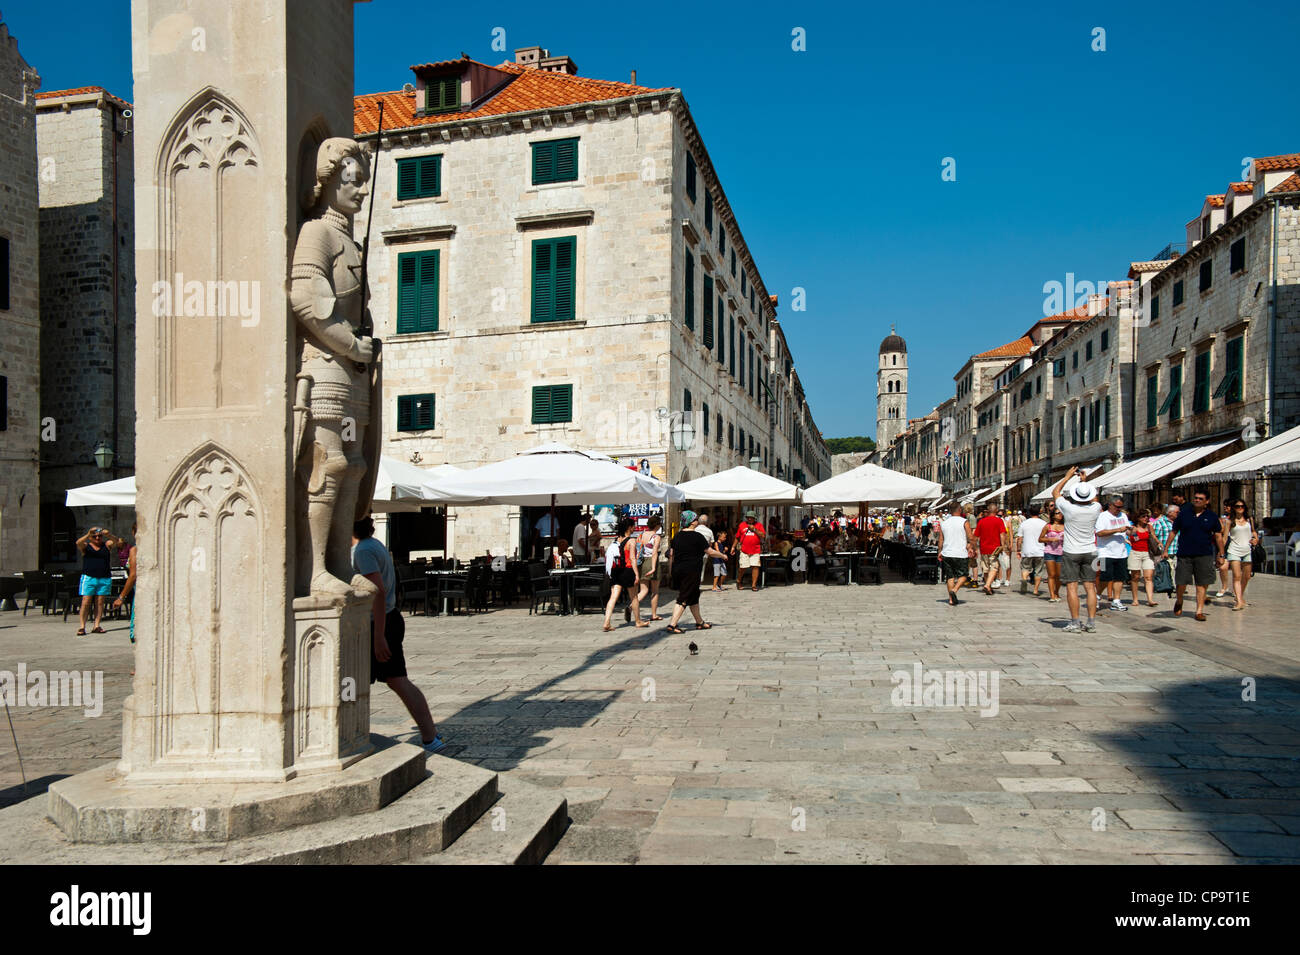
(543, 587)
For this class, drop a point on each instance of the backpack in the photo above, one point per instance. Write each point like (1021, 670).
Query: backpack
(620, 559)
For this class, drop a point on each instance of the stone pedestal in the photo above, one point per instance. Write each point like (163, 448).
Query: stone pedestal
(331, 682)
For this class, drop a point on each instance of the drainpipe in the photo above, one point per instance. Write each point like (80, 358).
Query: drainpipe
(117, 448)
(1272, 333)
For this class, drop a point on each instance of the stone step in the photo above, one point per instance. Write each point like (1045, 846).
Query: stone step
(520, 828)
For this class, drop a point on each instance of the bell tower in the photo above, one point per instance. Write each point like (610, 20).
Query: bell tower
(891, 389)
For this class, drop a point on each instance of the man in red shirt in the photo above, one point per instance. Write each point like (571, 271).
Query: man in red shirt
(992, 534)
(749, 540)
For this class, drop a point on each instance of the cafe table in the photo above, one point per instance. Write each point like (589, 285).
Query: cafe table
(566, 577)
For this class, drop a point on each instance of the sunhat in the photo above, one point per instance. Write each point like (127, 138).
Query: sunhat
(1083, 492)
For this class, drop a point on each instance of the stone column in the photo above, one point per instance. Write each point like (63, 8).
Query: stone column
(232, 683)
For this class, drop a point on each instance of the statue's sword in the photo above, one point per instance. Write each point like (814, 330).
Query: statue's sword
(374, 430)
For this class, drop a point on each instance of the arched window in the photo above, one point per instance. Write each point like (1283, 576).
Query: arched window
(895, 359)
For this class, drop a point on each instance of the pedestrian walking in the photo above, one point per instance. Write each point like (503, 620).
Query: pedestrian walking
(1162, 528)
(96, 549)
(1029, 549)
(1112, 547)
(372, 561)
(650, 542)
(1142, 558)
(1242, 538)
(1200, 551)
(956, 550)
(1052, 537)
(749, 540)
(129, 584)
(686, 554)
(722, 542)
(1226, 518)
(1080, 509)
(621, 565)
(991, 531)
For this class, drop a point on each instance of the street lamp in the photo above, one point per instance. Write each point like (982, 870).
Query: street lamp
(756, 463)
(682, 431)
(103, 456)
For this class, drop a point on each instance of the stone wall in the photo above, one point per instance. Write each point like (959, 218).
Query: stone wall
(20, 322)
(87, 346)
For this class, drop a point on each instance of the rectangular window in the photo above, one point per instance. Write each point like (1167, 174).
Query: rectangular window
(1174, 400)
(1153, 400)
(744, 289)
(717, 437)
(722, 239)
(552, 404)
(1087, 351)
(1075, 363)
(690, 290)
(705, 418)
(554, 274)
(419, 177)
(690, 181)
(740, 444)
(742, 358)
(1201, 389)
(414, 412)
(1207, 274)
(1178, 293)
(1105, 419)
(708, 213)
(1060, 432)
(1058, 368)
(722, 338)
(731, 437)
(417, 292)
(686, 400)
(1237, 256)
(731, 345)
(1155, 308)
(1074, 426)
(708, 311)
(1230, 388)
(442, 95)
(733, 263)
(1105, 339)
(555, 160)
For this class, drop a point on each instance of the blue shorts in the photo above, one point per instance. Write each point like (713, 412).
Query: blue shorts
(1052, 558)
(96, 586)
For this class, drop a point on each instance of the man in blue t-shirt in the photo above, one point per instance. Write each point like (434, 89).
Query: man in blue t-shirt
(1200, 550)
(371, 560)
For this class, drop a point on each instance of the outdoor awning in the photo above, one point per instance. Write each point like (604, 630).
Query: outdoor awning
(119, 493)
(740, 484)
(1140, 474)
(969, 498)
(1280, 454)
(999, 492)
(1046, 493)
(874, 485)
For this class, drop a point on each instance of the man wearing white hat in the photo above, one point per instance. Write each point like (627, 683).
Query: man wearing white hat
(1079, 553)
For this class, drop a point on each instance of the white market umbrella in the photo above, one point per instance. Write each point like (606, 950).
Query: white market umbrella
(118, 493)
(740, 484)
(399, 487)
(870, 483)
(552, 474)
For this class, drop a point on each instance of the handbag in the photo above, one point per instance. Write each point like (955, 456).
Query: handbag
(1162, 581)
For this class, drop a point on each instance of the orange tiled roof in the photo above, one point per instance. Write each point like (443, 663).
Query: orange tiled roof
(81, 90)
(530, 90)
(1021, 346)
(1242, 188)
(1278, 163)
(1289, 184)
(1216, 202)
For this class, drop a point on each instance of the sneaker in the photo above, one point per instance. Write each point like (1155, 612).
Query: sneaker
(1074, 627)
(434, 744)
(997, 584)
(1118, 605)
(1053, 600)
(1090, 627)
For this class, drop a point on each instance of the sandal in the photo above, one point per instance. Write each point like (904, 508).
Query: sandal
(1200, 617)
(81, 632)
(671, 629)
(704, 626)
(656, 618)
(99, 630)
(606, 629)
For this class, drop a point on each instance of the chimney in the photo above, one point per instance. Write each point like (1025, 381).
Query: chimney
(530, 56)
(633, 81)
(1096, 305)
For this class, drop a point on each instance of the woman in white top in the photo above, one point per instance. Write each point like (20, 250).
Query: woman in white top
(1239, 532)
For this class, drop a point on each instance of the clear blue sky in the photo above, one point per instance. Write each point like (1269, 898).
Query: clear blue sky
(1067, 160)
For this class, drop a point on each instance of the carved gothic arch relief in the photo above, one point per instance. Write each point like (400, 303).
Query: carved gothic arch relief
(208, 648)
(207, 294)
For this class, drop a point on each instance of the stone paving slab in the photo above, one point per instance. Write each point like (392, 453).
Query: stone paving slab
(781, 742)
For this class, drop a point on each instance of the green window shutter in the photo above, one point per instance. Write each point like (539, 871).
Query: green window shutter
(1230, 388)
(1153, 400)
(690, 290)
(1173, 401)
(690, 176)
(742, 358)
(555, 161)
(408, 291)
(1201, 396)
(731, 345)
(427, 315)
(429, 176)
(722, 338)
(552, 404)
(442, 94)
(708, 312)
(415, 412)
(708, 212)
(554, 278)
(407, 187)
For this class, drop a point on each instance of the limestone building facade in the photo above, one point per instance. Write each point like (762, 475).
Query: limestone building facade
(87, 303)
(20, 365)
(891, 389)
(554, 258)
